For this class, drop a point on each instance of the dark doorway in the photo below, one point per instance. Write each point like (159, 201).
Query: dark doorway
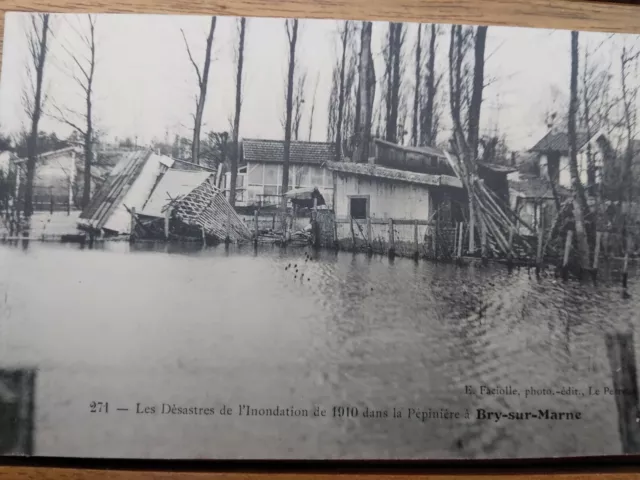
(358, 207)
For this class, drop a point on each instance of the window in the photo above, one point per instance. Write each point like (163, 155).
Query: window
(255, 174)
(316, 176)
(272, 190)
(271, 175)
(359, 207)
(302, 176)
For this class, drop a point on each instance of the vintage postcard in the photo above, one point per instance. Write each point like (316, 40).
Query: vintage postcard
(252, 238)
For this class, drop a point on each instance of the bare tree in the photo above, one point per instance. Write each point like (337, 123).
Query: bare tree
(236, 120)
(580, 208)
(203, 79)
(596, 106)
(395, 41)
(37, 37)
(291, 28)
(416, 87)
(313, 105)
(298, 104)
(82, 122)
(332, 121)
(629, 99)
(467, 146)
(428, 113)
(366, 95)
(344, 40)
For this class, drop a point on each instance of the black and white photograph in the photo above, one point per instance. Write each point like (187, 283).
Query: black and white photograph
(270, 238)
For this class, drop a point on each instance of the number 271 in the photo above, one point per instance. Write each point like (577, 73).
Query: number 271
(99, 407)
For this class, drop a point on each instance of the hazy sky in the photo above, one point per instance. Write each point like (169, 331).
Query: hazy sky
(145, 85)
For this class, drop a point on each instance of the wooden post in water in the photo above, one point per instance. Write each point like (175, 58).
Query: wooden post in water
(416, 243)
(369, 236)
(539, 252)
(460, 236)
(392, 246)
(273, 222)
(227, 240)
(284, 228)
(435, 238)
(51, 204)
(484, 246)
(455, 240)
(204, 236)
(596, 256)
(510, 252)
(133, 224)
(167, 216)
(625, 265)
(255, 221)
(621, 353)
(565, 259)
(335, 232)
(353, 234)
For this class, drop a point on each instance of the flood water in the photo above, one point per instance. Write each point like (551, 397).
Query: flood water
(220, 326)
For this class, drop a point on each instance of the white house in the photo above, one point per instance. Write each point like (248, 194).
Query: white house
(553, 157)
(259, 180)
(365, 190)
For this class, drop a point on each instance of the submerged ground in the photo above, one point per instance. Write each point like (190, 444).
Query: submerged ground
(149, 325)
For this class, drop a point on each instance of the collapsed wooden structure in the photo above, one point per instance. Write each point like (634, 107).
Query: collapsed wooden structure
(497, 222)
(156, 197)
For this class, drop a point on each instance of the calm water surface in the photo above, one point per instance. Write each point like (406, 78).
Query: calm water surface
(155, 324)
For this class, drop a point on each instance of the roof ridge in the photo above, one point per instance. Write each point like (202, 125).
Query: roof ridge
(306, 142)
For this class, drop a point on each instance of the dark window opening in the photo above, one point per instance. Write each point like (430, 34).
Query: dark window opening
(358, 208)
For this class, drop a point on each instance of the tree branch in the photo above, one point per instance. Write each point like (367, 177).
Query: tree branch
(193, 62)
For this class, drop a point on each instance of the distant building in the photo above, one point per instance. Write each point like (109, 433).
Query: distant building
(531, 197)
(259, 180)
(54, 179)
(364, 190)
(552, 153)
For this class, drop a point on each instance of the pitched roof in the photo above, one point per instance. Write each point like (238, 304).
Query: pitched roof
(173, 184)
(375, 171)
(114, 189)
(423, 150)
(532, 186)
(272, 151)
(497, 168)
(559, 142)
(50, 154)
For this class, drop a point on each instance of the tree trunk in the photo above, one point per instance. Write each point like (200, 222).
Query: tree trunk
(627, 187)
(476, 96)
(88, 137)
(416, 91)
(395, 46)
(579, 201)
(366, 94)
(345, 37)
(471, 152)
(195, 144)
(427, 113)
(38, 56)
(236, 120)
(293, 38)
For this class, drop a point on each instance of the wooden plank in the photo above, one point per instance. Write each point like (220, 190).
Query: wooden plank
(622, 360)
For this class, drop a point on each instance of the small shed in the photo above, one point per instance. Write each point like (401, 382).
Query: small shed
(127, 187)
(365, 190)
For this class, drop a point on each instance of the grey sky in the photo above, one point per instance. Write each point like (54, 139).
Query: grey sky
(145, 85)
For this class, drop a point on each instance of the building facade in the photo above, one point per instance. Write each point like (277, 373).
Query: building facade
(259, 180)
(369, 191)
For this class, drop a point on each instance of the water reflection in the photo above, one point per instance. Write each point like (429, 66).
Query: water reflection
(155, 322)
(16, 411)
